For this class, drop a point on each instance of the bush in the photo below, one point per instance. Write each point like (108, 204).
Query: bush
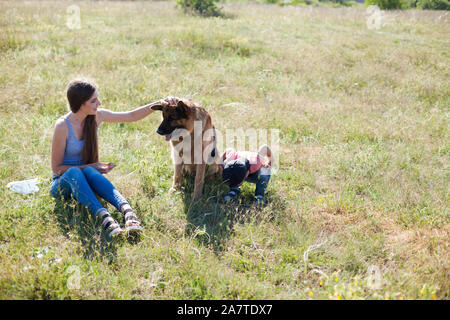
(387, 4)
(434, 4)
(412, 3)
(205, 8)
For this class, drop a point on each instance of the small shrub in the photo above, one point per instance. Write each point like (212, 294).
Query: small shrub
(434, 4)
(206, 8)
(387, 4)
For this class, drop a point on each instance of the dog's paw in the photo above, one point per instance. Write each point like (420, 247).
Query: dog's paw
(196, 195)
(172, 190)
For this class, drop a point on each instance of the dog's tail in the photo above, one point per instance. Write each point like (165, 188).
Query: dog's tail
(214, 150)
(214, 155)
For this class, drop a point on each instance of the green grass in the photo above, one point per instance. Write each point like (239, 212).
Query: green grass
(363, 178)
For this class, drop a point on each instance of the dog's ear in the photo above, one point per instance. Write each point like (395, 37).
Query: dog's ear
(157, 107)
(182, 108)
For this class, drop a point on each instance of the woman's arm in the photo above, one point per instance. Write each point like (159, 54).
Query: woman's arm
(104, 115)
(134, 115)
(58, 146)
(127, 116)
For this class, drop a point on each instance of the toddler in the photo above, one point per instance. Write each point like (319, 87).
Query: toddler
(240, 166)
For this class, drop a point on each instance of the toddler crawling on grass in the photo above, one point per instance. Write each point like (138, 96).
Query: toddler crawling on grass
(240, 166)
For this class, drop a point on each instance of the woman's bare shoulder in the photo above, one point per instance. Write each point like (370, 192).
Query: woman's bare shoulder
(101, 115)
(61, 126)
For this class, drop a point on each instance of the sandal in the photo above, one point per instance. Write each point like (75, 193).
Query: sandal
(109, 225)
(132, 224)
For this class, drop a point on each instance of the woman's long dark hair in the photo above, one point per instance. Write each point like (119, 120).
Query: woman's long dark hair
(78, 92)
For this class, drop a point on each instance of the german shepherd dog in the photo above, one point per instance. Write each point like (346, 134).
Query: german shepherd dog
(189, 128)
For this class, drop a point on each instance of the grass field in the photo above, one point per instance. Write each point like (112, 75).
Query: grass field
(359, 208)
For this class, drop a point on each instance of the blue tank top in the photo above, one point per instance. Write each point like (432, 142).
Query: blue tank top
(74, 148)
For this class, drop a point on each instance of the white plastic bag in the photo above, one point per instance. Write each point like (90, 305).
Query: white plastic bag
(25, 186)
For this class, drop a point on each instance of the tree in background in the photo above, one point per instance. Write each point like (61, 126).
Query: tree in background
(205, 8)
(433, 4)
(401, 4)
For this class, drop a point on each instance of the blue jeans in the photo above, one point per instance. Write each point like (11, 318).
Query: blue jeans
(84, 185)
(261, 178)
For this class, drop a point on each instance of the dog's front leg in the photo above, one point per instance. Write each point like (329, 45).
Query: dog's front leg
(199, 180)
(213, 169)
(176, 178)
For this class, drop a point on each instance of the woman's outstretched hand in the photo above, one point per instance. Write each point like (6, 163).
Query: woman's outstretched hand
(103, 167)
(172, 100)
(169, 101)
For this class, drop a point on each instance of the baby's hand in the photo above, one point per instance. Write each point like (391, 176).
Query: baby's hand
(266, 162)
(266, 154)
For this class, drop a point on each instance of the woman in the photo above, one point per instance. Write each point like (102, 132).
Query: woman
(75, 162)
